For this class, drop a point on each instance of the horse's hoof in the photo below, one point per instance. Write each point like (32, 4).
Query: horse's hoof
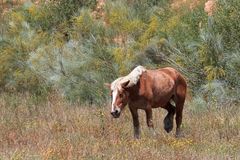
(168, 130)
(179, 134)
(136, 137)
(168, 124)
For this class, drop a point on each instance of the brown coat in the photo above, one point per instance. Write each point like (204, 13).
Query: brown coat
(155, 88)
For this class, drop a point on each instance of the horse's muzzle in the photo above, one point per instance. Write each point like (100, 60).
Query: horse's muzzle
(116, 114)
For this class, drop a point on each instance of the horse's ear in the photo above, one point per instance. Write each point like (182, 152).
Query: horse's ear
(108, 85)
(125, 84)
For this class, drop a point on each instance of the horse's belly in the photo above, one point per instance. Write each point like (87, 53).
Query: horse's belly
(161, 99)
(141, 103)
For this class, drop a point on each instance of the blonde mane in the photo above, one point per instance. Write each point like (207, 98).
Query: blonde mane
(133, 77)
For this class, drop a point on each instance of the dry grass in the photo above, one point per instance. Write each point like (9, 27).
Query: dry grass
(58, 130)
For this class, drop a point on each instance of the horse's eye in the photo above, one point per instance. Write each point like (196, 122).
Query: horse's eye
(120, 95)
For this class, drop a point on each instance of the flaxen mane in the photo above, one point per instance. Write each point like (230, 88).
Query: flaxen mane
(132, 77)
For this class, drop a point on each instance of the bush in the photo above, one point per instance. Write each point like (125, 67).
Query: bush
(76, 46)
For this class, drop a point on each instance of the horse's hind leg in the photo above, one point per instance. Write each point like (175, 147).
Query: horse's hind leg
(180, 99)
(168, 120)
(179, 110)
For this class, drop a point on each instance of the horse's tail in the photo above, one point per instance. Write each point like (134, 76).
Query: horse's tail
(181, 88)
(181, 91)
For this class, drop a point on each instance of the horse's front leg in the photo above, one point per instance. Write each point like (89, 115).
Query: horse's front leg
(135, 122)
(149, 120)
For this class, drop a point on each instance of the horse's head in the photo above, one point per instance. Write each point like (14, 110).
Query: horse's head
(119, 96)
(120, 87)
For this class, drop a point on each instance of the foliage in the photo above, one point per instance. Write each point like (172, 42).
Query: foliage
(50, 15)
(15, 72)
(227, 23)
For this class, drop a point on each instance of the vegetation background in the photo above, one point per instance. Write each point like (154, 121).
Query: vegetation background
(55, 56)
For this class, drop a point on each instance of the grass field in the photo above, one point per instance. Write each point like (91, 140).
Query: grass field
(58, 130)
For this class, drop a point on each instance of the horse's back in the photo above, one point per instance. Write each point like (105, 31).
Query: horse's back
(164, 83)
(171, 72)
(158, 85)
(174, 75)
(179, 80)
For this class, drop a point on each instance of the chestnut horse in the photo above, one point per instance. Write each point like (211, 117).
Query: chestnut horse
(147, 89)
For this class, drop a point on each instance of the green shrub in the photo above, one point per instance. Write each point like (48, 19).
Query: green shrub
(62, 44)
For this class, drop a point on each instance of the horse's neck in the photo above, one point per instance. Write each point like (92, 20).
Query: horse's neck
(134, 92)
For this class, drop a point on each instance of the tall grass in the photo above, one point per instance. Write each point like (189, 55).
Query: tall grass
(58, 130)
(77, 45)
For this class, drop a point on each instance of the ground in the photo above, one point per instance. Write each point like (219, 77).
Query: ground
(58, 130)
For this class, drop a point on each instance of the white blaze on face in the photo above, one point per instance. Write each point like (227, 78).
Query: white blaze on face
(114, 96)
